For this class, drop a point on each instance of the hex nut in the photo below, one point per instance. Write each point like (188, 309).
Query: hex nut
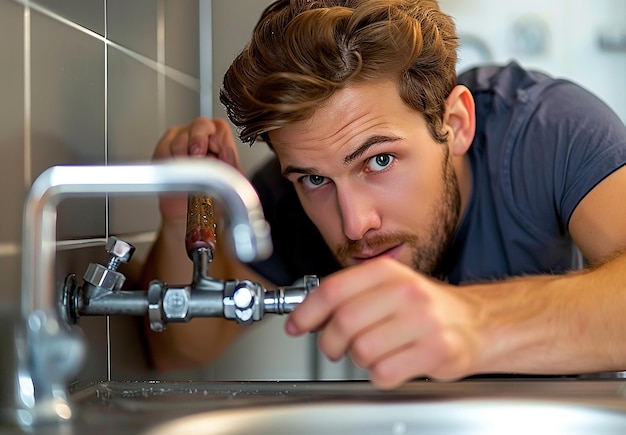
(155, 313)
(176, 303)
(243, 297)
(120, 249)
(100, 276)
(244, 316)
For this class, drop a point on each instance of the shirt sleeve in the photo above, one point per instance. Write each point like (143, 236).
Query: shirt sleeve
(571, 141)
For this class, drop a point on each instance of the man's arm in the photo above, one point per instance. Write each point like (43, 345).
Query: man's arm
(399, 324)
(598, 224)
(568, 324)
(578, 321)
(191, 344)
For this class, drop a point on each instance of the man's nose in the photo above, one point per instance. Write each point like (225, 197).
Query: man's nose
(359, 213)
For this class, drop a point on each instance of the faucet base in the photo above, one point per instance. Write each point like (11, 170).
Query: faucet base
(40, 348)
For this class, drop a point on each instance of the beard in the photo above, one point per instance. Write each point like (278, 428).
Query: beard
(426, 253)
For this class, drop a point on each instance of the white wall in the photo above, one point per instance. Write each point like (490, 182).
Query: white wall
(569, 29)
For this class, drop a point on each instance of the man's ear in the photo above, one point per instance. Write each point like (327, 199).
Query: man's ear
(460, 119)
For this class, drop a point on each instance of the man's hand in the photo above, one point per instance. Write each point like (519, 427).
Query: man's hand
(393, 322)
(203, 137)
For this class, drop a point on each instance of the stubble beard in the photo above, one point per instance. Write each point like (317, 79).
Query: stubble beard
(426, 255)
(427, 258)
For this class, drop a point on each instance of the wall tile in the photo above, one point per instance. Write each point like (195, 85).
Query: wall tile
(11, 120)
(275, 355)
(94, 330)
(133, 24)
(181, 103)
(181, 36)
(133, 129)
(75, 261)
(133, 133)
(67, 95)
(133, 214)
(233, 21)
(87, 13)
(129, 356)
(68, 114)
(10, 279)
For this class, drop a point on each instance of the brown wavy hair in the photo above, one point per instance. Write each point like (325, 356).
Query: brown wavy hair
(303, 51)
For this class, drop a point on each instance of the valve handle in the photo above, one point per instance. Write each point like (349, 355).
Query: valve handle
(201, 226)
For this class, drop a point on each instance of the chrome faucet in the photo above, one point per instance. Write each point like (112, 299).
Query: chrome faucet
(41, 351)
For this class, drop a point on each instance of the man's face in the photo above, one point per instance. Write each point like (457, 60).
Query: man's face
(371, 178)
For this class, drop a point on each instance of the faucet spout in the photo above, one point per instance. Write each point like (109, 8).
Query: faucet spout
(46, 352)
(248, 229)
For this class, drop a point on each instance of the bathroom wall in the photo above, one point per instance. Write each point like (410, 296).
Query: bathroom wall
(583, 40)
(90, 82)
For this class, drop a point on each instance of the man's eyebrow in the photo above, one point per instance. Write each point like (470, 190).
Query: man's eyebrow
(296, 170)
(370, 142)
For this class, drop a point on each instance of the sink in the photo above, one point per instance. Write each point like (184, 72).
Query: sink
(473, 406)
(471, 416)
(476, 406)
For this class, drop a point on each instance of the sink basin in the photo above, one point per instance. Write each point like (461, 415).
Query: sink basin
(553, 405)
(473, 406)
(480, 416)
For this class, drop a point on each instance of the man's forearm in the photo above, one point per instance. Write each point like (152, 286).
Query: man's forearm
(562, 324)
(167, 260)
(185, 345)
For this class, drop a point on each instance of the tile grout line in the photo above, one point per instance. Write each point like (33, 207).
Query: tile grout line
(206, 58)
(106, 162)
(27, 99)
(10, 249)
(161, 74)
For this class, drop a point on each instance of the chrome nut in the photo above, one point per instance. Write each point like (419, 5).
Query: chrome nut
(155, 311)
(120, 249)
(176, 303)
(243, 298)
(100, 276)
(244, 317)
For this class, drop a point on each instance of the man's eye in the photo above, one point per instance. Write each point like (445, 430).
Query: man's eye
(379, 162)
(313, 181)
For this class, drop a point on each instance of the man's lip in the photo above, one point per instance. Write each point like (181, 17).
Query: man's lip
(366, 256)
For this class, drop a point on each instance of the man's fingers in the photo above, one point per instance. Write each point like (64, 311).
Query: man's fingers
(179, 145)
(200, 131)
(337, 289)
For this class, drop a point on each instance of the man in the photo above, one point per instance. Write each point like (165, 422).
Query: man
(448, 224)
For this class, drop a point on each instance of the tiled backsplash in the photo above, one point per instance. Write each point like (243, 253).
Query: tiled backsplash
(90, 82)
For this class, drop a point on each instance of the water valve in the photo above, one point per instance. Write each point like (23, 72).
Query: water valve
(243, 304)
(107, 277)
